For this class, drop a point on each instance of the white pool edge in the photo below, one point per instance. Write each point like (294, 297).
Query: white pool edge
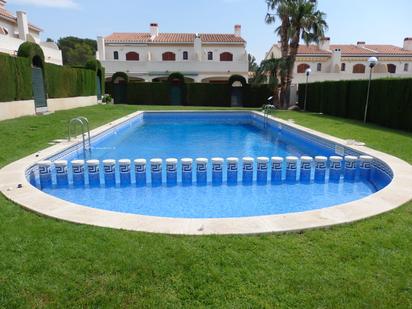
(397, 193)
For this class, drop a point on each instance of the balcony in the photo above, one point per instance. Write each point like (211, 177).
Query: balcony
(153, 68)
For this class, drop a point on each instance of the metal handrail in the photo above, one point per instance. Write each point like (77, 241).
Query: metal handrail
(84, 122)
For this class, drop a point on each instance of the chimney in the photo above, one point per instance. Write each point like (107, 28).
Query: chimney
(238, 31)
(101, 48)
(198, 47)
(324, 43)
(407, 44)
(154, 30)
(3, 3)
(361, 44)
(22, 25)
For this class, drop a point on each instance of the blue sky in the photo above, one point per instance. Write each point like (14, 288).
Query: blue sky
(373, 21)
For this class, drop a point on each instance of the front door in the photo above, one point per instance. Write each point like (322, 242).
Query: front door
(39, 94)
(99, 88)
(176, 95)
(236, 98)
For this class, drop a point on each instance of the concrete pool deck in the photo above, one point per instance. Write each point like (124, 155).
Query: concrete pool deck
(14, 185)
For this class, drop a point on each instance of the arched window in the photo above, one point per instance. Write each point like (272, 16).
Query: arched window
(319, 67)
(343, 67)
(391, 68)
(116, 55)
(132, 56)
(185, 55)
(169, 56)
(303, 67)
(210, 56)
(358, 69)
(226, 56)
(406, 67)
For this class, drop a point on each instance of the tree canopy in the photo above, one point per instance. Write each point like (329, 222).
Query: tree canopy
(77, 51)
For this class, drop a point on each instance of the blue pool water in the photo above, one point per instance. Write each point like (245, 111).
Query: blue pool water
(194, 135)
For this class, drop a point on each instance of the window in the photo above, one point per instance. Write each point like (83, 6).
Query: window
(3, 30)
(343, 67)
(169, 56)
(391, 68)
(319, 67)
(185, 55)
(358, 69)
(303, 67)
(210, 56)
(406, 67)
(116, 55)
(132, 56)
(226, 56)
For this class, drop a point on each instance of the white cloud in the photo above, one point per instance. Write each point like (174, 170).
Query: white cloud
(65, 4)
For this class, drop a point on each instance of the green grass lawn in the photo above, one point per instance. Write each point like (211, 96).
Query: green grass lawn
(48, 263)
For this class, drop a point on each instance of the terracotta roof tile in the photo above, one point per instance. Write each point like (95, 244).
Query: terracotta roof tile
(389, 49)
(128, 37)
(221, 38)
(312, 50)
(350, 49)
(172, 38)
(11, 17)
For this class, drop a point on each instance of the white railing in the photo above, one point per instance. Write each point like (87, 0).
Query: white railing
(153, 67)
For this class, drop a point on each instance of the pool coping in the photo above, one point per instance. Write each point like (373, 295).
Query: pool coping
(15, 186)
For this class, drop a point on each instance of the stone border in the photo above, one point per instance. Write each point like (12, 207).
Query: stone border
(397, 193)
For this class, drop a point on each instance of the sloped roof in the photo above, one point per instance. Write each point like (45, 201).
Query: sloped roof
(133, 37)
(354, 50)
(10, 17)
(389, 49)
(312, 50)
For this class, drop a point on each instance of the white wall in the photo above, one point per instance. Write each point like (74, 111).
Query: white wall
(10, 45)
(196, 69)
(15, 109)
(69, 103)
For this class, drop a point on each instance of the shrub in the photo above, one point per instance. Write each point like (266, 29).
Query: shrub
(64, 81)
(16, 77)
(390, 102)
(30, 50)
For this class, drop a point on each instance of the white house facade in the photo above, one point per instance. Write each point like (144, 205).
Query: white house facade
(15, 30)
(330, 62)
(154, 55)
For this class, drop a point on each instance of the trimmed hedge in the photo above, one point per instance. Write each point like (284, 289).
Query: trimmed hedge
(30, 50)
(64, 81)
(148, 93)
(199, 94)
(15, 83)
(194, 94)
(390, 101)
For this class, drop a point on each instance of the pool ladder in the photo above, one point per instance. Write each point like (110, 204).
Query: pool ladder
(267, 111)
(84, 125)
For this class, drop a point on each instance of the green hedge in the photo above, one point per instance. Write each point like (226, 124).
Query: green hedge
(148, 93)
(15, 82)
(199, 94)
(64, 81)
(195, 94)
(390, 102)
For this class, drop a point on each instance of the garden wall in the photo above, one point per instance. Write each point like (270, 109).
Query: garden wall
(66, 87)
(390, 101)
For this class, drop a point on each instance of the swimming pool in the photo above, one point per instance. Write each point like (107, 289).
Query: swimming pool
(208, 136)
(256, 196)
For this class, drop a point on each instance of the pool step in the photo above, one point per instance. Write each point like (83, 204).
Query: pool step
(276, 170)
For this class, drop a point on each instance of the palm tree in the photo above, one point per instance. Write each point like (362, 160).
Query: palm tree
(300, 19)
(306, 23)
(280, 7)
(267, 73)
